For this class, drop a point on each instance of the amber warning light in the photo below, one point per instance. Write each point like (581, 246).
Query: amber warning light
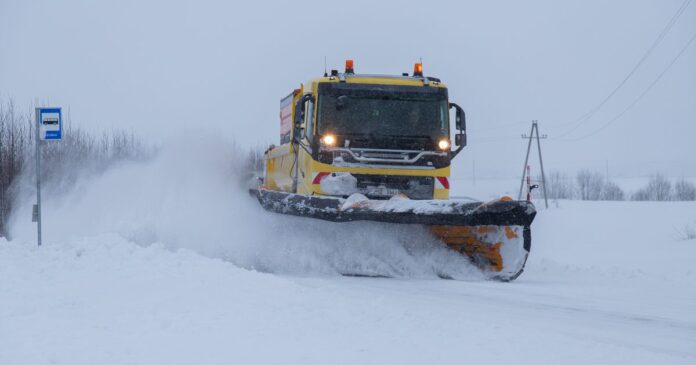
(418, 69)
(349, 67)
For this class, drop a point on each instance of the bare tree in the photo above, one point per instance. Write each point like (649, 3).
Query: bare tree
(641, 195)
(658, 189)
(611, 191)
(254, 161)
(589, 185)
(559, 186)
(14, 142)
(684, 190)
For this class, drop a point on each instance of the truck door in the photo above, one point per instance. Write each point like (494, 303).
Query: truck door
(304, 148)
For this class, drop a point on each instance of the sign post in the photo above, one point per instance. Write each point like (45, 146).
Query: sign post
(49, 126)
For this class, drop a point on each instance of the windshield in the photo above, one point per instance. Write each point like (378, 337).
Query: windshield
(384, 114)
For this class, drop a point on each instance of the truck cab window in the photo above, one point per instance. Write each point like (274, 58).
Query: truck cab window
(309, 119)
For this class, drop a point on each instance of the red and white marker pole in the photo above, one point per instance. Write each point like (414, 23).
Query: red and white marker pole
(529, 184)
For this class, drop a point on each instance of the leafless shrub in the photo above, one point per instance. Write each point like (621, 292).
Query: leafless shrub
(254, 161)
(611, 191)
(688, 232)
(658, 189)
(589, 185)
(684, 190)
(559, 186)
(660, 186)
(252, 168)
(641, 195)
(15, 140)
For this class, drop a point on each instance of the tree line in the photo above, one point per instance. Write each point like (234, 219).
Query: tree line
(591, 185)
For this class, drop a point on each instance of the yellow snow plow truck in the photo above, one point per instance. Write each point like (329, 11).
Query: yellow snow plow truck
(359, 147)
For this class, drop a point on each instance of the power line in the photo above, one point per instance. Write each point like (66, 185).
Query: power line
(497, 126)
(630, 106)
(587, 116)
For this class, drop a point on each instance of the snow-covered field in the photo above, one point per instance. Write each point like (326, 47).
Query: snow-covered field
(175, 269)
(490, 188)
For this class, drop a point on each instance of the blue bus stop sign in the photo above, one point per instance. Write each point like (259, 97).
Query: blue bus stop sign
(50, 123)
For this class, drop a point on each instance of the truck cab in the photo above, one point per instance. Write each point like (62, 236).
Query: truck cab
(375, 135)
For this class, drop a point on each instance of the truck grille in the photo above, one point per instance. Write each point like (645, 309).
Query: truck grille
(385, 186)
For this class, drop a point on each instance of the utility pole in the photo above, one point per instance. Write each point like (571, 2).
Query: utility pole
(526, 160)
(36, 214)
(2, 196)
(534, 134)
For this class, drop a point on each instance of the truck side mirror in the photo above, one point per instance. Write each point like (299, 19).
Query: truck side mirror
(460, 117)
(460, 125)
(300, 115)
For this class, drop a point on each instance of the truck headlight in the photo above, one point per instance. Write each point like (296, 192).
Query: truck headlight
(328, 140)
(444, 144)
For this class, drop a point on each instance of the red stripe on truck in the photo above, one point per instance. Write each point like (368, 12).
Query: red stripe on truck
(444, 181)
(317, 179)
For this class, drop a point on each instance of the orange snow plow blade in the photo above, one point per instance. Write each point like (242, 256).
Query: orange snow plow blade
(500, 250)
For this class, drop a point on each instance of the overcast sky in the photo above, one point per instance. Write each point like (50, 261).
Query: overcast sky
(160, 67)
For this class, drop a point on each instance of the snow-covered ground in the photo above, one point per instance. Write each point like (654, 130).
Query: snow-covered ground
(144, 265)
(490, 188)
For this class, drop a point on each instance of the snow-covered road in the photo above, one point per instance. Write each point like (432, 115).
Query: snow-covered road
(622, 291)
